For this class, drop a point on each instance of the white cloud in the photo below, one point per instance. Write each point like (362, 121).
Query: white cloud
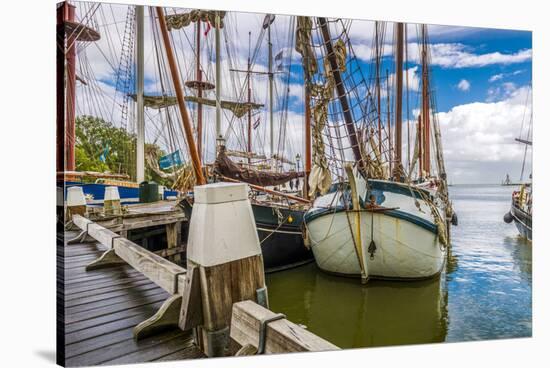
(456, 55)
(478, 138)
(463, 85)
(496, 77)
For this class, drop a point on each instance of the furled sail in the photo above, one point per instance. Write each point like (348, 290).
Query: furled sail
(224, 166)
(239, 109)
(177, 21)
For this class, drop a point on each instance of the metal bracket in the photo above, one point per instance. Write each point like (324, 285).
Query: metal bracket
(217, 342)
(263, 330)
(261, 297)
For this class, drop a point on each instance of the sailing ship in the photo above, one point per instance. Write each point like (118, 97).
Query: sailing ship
(278, 214)
(521, 208)
(378, 220)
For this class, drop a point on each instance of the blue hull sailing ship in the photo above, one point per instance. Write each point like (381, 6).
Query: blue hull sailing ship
(278, 214)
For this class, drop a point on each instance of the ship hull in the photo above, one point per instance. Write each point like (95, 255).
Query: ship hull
(128, 195)
(406, 242)
(522, 221)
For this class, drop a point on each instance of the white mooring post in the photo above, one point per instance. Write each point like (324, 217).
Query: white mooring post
(76, 202)
(224, 254)
(111, 201)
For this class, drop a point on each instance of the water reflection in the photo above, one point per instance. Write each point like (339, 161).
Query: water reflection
(485, 292)
(352, 315)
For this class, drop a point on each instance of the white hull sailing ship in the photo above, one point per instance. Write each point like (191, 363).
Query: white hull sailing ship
(397, 241)
(380, 223)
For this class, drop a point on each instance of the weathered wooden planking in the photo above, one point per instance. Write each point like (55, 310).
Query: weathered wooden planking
(108, 309)
(73, 301)
(162, 272)
(142, 310)
(119, 299)
(158, 351)
(282, 336)
(112, 349)
(91, 306)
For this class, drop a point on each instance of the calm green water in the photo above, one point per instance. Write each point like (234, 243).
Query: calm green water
(485, 292)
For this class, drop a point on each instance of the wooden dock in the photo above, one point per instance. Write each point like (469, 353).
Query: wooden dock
(102, 307)
(118, 302)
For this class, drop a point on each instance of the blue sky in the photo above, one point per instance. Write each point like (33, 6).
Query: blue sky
(480, 77)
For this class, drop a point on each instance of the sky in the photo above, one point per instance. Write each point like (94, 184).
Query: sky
(480, 77)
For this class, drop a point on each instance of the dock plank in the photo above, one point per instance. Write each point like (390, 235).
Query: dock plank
(100, 308)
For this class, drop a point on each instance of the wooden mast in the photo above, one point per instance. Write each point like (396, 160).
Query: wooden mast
(186, 121)
(198, 76)
(70, 90)
(60, 87)
(390, 146)
(425, 102)
(377, 80)
(420, 143)
(140, 111)
(398, 100)
(341, 91)
(249, 97)
(307, 138)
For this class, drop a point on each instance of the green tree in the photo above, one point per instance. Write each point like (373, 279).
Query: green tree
(94, 136)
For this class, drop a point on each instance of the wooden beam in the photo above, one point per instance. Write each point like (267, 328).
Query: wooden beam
(282, 336)
(159, 270)
(269, 191)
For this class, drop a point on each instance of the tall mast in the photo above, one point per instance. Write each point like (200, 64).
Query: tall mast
(407, 107)
(425, 101)
(198, 76)
(419, 141)
(270, 70)
(249, 97)
(185, 119)
(307, 138)
(70, 97)
(341, 91)
(219, 137)
(388, 108)
(377, 80)
(140, 121)
(398, 99)
(60, 87)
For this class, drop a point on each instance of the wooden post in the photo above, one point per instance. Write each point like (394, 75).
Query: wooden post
(173, 238)
(186, 120)
(223, 244)
(76, 202)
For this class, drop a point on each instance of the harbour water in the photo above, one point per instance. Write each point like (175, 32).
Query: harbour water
(484, 293)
